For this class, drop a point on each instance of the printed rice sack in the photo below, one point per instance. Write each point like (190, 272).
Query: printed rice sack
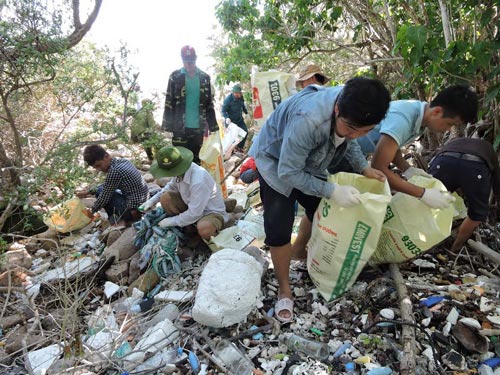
(344, 239)
(411, 227)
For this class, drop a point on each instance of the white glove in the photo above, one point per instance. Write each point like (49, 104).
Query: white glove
(167, 222)
(228, 121)
(345, 196)
(412, 171)
(146, 206)
(435, 198)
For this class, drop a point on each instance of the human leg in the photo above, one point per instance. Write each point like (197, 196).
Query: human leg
(209, 225)
(243, 126)
(278, 222)
(194, 141)
(299, 245)
(464, 232)
(115, 207)
(172, 203)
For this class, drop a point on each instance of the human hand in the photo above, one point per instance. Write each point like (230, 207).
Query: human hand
(227, 121)
(435, 198)
(88, 212)
(374, 173)
(345, 195)
(146, 206)
(167, 222)
(412, 171)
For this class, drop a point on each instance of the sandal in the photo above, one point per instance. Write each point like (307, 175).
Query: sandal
(284, 304)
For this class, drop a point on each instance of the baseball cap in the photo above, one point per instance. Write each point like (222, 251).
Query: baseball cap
(188, 54)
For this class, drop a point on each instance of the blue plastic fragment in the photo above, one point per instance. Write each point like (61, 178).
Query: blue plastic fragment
(270, 313)
(341, 350)
(431, 301)
(258, 335)
(380, 371)
(180, 351)
(492, 362)
(193, 361)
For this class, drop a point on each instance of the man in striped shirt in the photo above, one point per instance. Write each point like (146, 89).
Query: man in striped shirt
(124, 188)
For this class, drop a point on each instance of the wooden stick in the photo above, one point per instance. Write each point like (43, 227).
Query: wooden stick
(485, 250)
(236, 165)
(408, 364)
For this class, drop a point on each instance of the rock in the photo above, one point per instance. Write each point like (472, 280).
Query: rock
(145, 282)
(17, 277)
(112, 237)
(15, 258)
(118, 273)
(123, 247)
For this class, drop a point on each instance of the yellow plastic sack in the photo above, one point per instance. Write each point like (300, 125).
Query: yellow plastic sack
(67, 216)
(411, 227)
(211, 160)
(344, 239)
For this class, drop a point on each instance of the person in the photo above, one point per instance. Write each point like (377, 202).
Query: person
(311, 75)
(305, 134)
(471, 165)
(189, 105)
(405, 121)
(124, 188)
(143, 125)
(191, 198)
(248, 171)
(232, 111)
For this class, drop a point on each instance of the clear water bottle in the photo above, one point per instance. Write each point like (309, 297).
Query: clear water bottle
(234, 359)
(309, 347)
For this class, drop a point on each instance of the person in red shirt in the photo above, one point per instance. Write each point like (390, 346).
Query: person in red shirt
(248, 171)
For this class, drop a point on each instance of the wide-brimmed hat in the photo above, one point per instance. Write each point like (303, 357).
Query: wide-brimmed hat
(310, 71)
(171, 161)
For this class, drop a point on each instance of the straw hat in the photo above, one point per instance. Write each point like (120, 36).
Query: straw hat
(310, 71)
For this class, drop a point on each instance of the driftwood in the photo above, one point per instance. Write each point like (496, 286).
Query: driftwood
(485, 250)
(408, 332)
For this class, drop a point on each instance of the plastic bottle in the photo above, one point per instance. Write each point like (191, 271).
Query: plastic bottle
(309, 347)
(235, 360)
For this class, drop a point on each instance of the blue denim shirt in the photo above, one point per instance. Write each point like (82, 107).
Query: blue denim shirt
(296, 144)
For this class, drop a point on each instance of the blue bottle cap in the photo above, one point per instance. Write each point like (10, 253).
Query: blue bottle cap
(350, 366)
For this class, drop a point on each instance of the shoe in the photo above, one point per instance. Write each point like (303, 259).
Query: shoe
(284, 304)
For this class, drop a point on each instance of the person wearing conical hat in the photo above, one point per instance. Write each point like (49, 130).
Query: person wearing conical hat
(191, 198)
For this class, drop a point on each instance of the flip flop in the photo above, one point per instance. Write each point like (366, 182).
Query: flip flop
(284, 304)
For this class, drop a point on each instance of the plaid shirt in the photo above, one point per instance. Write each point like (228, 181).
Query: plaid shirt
(124, 176)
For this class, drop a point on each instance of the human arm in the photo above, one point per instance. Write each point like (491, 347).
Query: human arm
(152, 202)
(209, 108)
(300, 138)
(170, 104)
(243, 106)
(387, 152)
(464, 232)
(111, 183)
(224, 107)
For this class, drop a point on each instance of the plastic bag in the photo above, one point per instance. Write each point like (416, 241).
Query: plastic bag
(411, 227)
(211, 160)
(230, 238)
(232, 136)
(269, 90)
(343, 239)
(67, 216)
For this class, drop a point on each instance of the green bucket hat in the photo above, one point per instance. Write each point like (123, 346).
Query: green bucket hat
(171, 161)
(236, 88)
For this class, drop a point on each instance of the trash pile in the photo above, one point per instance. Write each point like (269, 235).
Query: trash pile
(76, 303)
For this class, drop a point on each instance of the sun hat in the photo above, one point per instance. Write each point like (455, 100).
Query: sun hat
(236, 88)
(310, 71)
(188, 54)
(171, 161)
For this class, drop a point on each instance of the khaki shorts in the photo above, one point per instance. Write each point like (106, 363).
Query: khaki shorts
(217, 220)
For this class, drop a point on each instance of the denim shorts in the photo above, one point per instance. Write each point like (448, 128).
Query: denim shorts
(473, 178)
(279, 212)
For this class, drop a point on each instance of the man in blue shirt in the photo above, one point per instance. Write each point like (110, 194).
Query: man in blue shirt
(405, 121)
(307, 133)
(232, 111)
